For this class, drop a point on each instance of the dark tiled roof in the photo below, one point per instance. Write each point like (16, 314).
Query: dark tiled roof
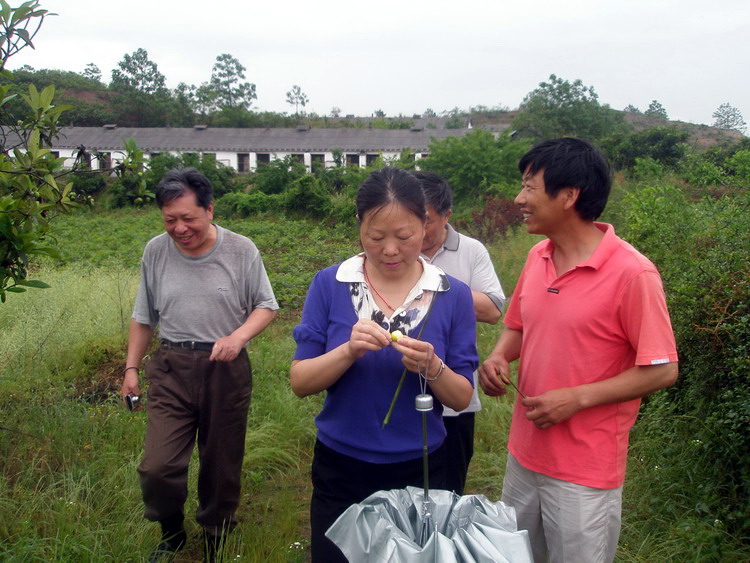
(193, 139)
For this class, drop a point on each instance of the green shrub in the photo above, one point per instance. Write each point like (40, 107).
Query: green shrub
(701, 172)
(494, 221)
(646, 168)
(276, 176)
(739, 166)
(160, 165)
(666, 145)
(221, 177)
(343, 179)
(88, 182)
(306, 196)
(119, 193)
(474, 162)
(702, 250)
(342, 211)
(238, 204)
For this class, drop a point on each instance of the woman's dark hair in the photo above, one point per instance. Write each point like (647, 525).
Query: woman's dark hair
(176, 182)
(572, 163)
(437, 192)
(391, 185)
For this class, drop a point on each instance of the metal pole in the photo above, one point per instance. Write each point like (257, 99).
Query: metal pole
(425, 454)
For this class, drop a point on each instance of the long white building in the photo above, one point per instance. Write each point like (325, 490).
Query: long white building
(245, 149)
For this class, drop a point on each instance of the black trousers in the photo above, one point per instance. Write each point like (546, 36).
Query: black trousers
(459, 443)
(340, 481)
(193, 399)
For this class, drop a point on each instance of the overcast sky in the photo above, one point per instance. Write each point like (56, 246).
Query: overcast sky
(404, 56)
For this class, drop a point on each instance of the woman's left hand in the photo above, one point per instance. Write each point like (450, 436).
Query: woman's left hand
(418, 355)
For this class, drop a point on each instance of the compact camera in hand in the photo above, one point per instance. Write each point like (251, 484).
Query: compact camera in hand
(132, 401)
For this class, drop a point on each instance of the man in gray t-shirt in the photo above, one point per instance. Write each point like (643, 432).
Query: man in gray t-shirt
(467, 260)
(206, 289)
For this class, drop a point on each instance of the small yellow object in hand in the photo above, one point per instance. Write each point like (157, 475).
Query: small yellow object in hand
(395, 335)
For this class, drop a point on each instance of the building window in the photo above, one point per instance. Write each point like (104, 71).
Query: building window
(317, 162)
(83, 157)
(243, 162)
(154, 154)
(298, 157)
(352, 159)
(263, 158)
(105, 160)
(371, 158)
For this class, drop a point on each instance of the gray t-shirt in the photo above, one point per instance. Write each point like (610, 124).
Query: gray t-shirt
(467, 259)
(201, 298)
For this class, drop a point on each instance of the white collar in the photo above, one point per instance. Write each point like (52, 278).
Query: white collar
(432, 278)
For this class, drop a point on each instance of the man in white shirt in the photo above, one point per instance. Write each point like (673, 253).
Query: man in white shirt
(467, 260)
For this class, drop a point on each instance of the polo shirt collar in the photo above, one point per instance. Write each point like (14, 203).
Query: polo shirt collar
(450, 243)
(603, 251)
(451, 239)
(352, 270)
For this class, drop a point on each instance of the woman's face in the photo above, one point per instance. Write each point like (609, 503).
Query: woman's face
(392, 239)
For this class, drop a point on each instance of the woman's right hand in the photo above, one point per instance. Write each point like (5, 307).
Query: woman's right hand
(367, 335)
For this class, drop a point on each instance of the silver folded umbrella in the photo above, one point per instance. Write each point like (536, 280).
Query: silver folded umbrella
(417, 525)
(387, 525)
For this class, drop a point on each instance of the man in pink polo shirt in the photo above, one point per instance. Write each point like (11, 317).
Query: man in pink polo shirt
(589, 322)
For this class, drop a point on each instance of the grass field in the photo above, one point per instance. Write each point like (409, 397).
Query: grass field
(68, 486)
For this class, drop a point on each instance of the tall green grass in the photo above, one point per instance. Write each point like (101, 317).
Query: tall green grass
(68, 454)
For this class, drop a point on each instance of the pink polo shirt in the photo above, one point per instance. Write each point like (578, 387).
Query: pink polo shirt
(591, 323)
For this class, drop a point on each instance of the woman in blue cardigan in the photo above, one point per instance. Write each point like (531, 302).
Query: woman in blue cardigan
(345, 347)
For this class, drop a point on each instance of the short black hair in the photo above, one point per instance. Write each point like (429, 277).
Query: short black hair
(391, 185)
(176, 182)
(572, 163)
(437, 191)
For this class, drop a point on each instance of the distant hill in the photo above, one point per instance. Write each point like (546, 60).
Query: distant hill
(702, 136)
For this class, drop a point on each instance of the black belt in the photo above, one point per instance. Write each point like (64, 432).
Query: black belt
(203, 346)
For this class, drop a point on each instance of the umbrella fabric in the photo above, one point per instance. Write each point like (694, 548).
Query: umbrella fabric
(471, 528)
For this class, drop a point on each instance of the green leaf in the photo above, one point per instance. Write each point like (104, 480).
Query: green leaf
(23, 34)
(33, 283)
(5, 12)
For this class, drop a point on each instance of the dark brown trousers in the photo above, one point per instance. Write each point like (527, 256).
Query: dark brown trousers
(189, 398)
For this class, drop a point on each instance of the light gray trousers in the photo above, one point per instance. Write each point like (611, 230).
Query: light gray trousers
(567, 523)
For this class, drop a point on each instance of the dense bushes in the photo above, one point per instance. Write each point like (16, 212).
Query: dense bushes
(277, 175)
(304, 197)
(477, 164)
(241, 204)
(221, 177)
(491, 222)
(284, 187)
(702, 250)
(665, 145)
(137, 178)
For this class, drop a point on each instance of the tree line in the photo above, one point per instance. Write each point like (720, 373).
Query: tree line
(137, 95)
